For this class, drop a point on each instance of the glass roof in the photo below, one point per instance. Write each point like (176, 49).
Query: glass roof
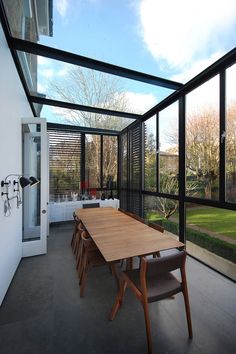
(84, 119)
(140, 35)
(71, 83)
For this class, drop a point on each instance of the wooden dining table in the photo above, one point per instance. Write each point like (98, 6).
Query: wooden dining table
(119, 236)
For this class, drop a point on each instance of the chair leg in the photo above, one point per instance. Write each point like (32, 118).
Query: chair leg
(118, 301)
(83, 280)
(148, 326)
(187, 306)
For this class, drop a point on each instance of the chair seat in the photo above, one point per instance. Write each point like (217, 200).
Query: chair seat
(158, 287)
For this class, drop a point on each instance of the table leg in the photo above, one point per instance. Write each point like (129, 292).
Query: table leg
(115, 274)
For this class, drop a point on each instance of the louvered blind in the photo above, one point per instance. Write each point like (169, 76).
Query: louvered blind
(64, 163)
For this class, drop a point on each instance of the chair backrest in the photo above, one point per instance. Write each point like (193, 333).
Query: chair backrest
(76, 218)
(88, 243)
(137, 217)
(165, 264)
(132, 215)
(91, 205)
(156, 226)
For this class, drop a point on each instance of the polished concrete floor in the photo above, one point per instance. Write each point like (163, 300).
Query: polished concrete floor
(43, 314)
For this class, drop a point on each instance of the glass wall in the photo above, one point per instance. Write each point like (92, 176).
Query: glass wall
(202, 141)
(212, 230)
(231, 134)
(169, 149)
(163, 211)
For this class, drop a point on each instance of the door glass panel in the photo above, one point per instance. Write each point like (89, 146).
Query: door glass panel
(31, 193)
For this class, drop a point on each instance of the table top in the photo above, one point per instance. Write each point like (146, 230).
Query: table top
(119, 236)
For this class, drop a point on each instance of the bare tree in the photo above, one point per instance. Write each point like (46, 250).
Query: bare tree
(95, 89)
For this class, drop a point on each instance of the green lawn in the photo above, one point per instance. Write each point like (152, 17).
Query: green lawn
(216, 220)
(212, 219)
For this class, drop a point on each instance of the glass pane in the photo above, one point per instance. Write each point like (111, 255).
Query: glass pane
(231, 134)
(169, 150)
(202, 141)
(162, 211)
(22, 17)
(79, 118)
(31, 193)
(61, 81)
(92, 161)
(211, 236)
(150, 154)
(64, 165)
(110, 150)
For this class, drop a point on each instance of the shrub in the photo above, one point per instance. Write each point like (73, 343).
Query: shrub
(212, 244)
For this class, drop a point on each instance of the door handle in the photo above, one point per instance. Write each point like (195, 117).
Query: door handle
(44, 211)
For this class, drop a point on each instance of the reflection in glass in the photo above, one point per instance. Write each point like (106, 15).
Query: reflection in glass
(124, 160)
(202, 141)
(150, 154)
(231, 135)
(31, 167)
(163, 211)
(168, 150)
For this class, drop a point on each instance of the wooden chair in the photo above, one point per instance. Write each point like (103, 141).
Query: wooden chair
(129, 213)
(76, 223)
(91, 205)
(155, 282)
(158, 228)
(91, 257)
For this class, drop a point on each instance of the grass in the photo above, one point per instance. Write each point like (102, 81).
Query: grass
(213, 219)
(217, 220)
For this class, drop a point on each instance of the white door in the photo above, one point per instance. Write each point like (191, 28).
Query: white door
(35, 197)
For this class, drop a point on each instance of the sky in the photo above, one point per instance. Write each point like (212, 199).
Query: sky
(166, 38)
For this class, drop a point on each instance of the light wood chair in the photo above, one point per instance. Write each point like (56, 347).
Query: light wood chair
(155, 282)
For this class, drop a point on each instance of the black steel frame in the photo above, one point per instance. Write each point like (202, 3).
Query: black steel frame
(218, 68)
(84, 131)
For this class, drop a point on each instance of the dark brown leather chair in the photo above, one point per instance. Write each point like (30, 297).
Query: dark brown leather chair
(154, 282)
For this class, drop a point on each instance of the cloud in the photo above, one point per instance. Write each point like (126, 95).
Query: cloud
(43, 61)
(183, 31)
(196, 67)
(62, 7)
(47, 73)
(140, 102)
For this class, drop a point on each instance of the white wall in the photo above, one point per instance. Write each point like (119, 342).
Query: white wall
(13, 106)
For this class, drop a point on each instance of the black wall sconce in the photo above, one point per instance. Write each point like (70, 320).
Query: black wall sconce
(21, 182)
